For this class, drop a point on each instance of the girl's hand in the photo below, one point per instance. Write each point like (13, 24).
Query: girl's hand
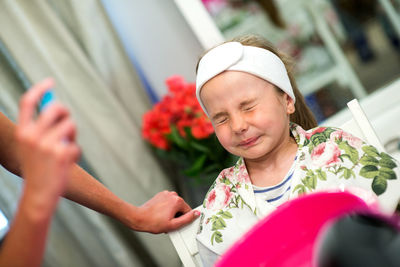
(46, 145)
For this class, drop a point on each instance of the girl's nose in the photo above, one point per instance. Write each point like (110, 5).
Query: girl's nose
(239, 124)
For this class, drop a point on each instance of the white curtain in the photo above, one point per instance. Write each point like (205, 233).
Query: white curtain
(74, 42)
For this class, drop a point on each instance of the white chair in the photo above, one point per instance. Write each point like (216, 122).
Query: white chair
(360, 126)
(184, 239)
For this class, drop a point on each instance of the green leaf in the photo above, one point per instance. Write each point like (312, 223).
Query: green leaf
(300, 188)
(338, 171)
(226, 215)
(314, 181)
(369, 171)
(387, 173)
(351, 151)
(379, 185)
(328, 132)
(370, 151)
(342, 156)
(368, 160)
(309, 173)
(347, 173)
(218, 239)
(212, 168)
(385, 156)
(318, 138)
(306, 142)
(217, 236)
(222, 222)
(231, 159)
(321, 175)
(176, 138)
(197, 166)
(387, 163)
(227, 182)
(216, 225)
(311, 181)
(353, 174)
(199, 147)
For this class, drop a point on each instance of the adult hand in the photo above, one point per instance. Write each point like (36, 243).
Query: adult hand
(46, 145)
(159, 214)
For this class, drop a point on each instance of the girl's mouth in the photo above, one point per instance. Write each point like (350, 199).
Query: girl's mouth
(248, 142)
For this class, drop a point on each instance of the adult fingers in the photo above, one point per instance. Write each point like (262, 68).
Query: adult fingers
(185, 219)
(62, 132)
(73, 153)
(183, 207)
(51, 116)
(29, 100)
(60, 141)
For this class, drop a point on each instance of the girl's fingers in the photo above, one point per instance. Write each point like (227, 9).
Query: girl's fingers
(29, 100)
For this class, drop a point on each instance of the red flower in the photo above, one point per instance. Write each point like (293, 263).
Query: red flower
(202, 127)
(219, 197)
(317, 130)
(182, 124)
(155, 128)
(175, 83)
(180, 109)
(325, 154)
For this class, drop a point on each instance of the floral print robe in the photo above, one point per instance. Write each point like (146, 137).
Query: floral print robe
(328, 158)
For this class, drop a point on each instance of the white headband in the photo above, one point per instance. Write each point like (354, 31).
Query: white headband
(235, 56)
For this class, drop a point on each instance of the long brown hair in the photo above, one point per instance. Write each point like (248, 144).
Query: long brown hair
(302, 115)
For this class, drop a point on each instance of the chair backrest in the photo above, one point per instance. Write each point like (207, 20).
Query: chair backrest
(360, 126)
(184, 239)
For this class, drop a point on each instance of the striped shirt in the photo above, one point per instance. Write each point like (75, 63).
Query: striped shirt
(276, 194)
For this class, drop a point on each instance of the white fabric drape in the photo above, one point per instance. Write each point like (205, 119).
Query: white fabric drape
(74, 42)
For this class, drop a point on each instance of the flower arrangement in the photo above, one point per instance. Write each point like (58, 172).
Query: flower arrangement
(179, 130)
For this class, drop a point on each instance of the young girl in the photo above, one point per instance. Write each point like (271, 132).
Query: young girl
(259, 115)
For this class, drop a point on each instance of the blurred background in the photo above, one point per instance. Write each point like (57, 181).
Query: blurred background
(110, 60)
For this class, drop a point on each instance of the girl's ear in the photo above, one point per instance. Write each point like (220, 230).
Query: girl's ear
(290, 109)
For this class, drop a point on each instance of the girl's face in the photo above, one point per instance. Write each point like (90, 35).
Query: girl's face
(249, 115)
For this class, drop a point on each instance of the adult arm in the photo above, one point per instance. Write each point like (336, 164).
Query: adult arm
(155, 216)
(46, 150)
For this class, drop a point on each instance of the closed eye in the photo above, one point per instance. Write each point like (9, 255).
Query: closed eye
(248, 105)
(221, 120)
(247, 108)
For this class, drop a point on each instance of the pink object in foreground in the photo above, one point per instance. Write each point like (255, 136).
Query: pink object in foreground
(287, 237)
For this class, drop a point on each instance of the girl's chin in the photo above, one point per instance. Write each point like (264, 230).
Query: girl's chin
(254, 155)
